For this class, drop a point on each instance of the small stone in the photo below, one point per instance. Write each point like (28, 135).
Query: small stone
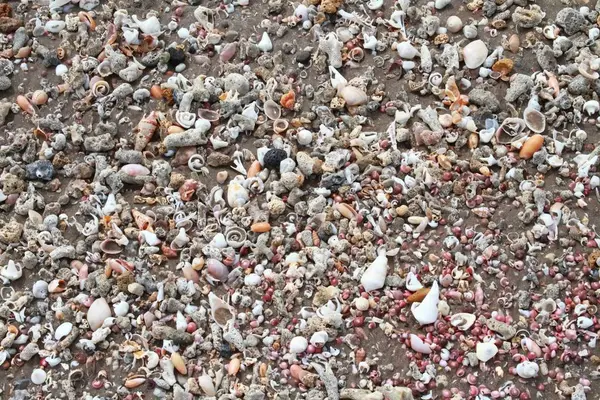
(5, 83)
(162, 332)
(99, 144)
(454, 24)
(519, 85)
(11, 184)
(546, 59)
(505, 330)
(237, 83)
(217, 159)
(571, 20)
(11, 232)
(20, 39)
(136, 289)
(579, 85)
(9, 25)
(176, 56)
(303, 56)
(222, 176)
(41, 169)
(484, 98)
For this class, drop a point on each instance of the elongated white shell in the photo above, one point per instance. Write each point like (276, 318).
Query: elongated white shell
(475, 53)
(407, 50)
(412, 282)
(99, 311)
(374, 276)
(426, 312)
(207, 385)
(417, 345)
(353, 96)
(121, 308)
(298, 344)
(486, 351)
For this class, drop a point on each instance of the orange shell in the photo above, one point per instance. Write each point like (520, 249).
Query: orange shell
(88, 20)
(288, 100)
(179, 363)
(25, 104)
(530, 146)
(504, 66)
(418, 296)
(260, 227)
(23, 52)
(254, 169)
(156, 92)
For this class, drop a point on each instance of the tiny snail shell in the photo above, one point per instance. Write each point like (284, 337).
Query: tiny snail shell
(235, 236)
(39, 97)
(357, 54)
(100, 88)
(435, 79)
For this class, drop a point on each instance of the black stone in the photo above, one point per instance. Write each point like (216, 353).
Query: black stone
(274, 157)
(177, 56)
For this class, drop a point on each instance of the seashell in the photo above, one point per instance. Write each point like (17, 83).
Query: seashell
(55, 26)
(39, 97)
(219, 241)
(586, 70)
(237, 195)
(475, 53)
(57, 286)
(185, 119)
(121, 308)
(25, 105)
(470, 31)
(135, 170)
(298, 345)
(304, 137)
(534, 119)
(486, 351)
(345, 210)
(40, 289)
(412, 282)
(252, 280)
(110, 246)
(551, 31)
(149, 237)
(132, 383)
(150, 26)
(142, 220)
(584, 322)
(319, 338)
(260, 227)
(235, 236)
(361, 304)
(418, 345)
(57, 5)
(407, 50)
(38, 376)
(463, 321)
(375, 4)
(591, 107)
(179, 363)
(156, 92)
(527, 369)
(510, 130)
(426, 312)
(303, 376)
(63, 330)
(234, 366)
(265, 44)
(190, 274)
(280, 125)
(11, 271)
(504, 66)
(301, 12)
(216, 270)
(209, 115)
(374, 277)
(180, 240)
(221, 312)
(531, 145)
(454, 24)
(87, 19)
(337, 80)
(353, 96)
(288, 100)
(207, 385)
(100, 88)
(418, 296)
(272, 110)
(357, 54)
(514, 43)
(531, 346)
(98, 312)
(222, 177)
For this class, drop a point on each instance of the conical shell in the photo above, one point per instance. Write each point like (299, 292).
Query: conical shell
(220, 311)
(427, 312)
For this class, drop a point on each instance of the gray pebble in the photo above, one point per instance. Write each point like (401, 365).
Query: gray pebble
(571, 20)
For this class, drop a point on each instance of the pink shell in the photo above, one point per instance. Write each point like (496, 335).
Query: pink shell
(135, 170)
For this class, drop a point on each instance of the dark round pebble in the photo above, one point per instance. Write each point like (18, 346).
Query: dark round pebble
(274, 157)
(303, 56)
(50, 60)
(177, 56)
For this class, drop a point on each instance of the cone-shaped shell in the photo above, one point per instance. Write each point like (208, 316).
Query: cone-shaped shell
(374, 276)
(220, 311)
(426, 312)
(179, 363)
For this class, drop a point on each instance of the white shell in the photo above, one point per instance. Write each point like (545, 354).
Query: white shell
(527, 369)
(301, 12)
(407, 50)
(427, 312)
(298, 344)
(63, 330)
(584, 322)
(207, 385)
(151, 26)
(99, 311)
(219, 309)
(374, 276)
(252, 280)
(418, 345)
(304, 137)
(475, 53)
(361, 304)
(319, 338)
(337, 80)
(454, 24)
(486, 351)
(265, 44)
(61, 69)
(150, 238)
(237, 195)
(591, 107)
(353, 96)
(11, 271)
(121, 308)
(470, 31)
(219, 241)
(412, 282)
(54, 26)
(38, 376)
(185, 119)
(439, 4)
(534, 119)
(462, 321)
(40, 289)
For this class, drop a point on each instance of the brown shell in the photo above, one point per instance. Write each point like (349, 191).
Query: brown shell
(592, 258)
(504, 66)
(418, 296)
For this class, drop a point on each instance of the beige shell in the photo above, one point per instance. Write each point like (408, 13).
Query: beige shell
(100, 88)
(272, 110)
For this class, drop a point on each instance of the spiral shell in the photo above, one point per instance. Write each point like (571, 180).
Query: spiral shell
(185, 119)
(356, 54)
(235, 236)
(100, 88)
